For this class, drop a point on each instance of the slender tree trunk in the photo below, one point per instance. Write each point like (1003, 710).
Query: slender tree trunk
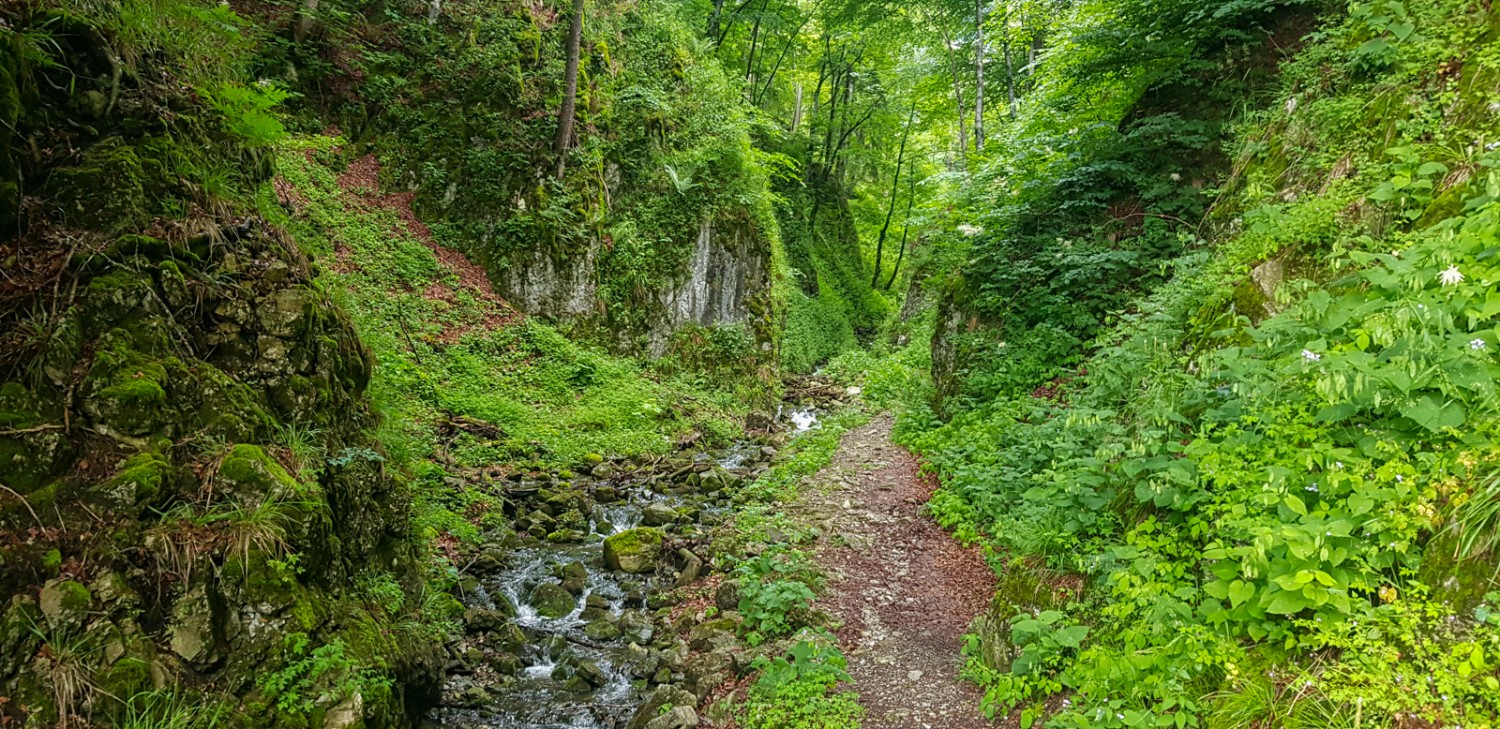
(570, 97)
(895, 190)
(823, 67)
(958, 99)
(754, 37)
(911, 197)
(1010, 69)
(713, 19)
(979, 77)
(771, 78)
(797, 107)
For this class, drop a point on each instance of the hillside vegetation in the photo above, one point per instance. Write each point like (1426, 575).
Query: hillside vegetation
(1219, 370)
(389, 363)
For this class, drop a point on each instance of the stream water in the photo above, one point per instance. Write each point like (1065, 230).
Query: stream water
(569, 677)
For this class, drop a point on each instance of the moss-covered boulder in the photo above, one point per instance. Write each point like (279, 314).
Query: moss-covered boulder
(551, 601)
(637, 551)
(248, 477)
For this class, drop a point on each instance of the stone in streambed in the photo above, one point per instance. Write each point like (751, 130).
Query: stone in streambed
(551, 600)
(637, 551)
(574, 577)
(656, 515)
(602, 629)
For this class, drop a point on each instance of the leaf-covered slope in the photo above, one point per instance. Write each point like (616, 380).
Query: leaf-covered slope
(1266, 495)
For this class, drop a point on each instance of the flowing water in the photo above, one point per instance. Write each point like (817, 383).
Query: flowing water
(568, 680)
(565, 678)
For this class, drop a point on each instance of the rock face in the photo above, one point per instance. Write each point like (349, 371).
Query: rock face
(724, 279)
(636, 551)
(223, 339)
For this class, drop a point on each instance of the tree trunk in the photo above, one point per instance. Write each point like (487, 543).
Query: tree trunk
(754, 37)
(979, 77)
(570, 97)
(797, 107)
(895, 190)
(1010, 69)
(958, 99)
(911, 197)
(713, 19)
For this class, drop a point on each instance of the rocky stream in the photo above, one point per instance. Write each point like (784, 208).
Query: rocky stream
(564, 626)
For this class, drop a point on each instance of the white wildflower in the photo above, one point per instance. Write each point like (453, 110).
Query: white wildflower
(1477, 345)
(1451, 277)
(1176, 177)
(1291, 104)
(1311, 356)
(970, 231)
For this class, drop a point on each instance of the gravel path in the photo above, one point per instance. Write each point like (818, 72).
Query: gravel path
(901, 589)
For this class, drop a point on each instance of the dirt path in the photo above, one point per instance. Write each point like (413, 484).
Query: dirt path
(903, 591)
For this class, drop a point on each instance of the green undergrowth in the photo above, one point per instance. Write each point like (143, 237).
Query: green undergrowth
(458, 373)
(1268, 498)
(800, 680)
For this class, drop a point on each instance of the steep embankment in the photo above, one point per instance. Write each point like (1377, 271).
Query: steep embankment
(193, 503)
(652, 225)
(1273, 476)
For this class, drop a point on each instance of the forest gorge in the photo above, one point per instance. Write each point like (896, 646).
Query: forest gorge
(772, 364)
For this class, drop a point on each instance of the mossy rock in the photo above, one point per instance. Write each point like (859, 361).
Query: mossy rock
(142, 479)
(106, 191)
(65, 604)
(249, 477)
(637, 551)
(27, 459)
(1460, 583)
(126, 391)
(551, 600)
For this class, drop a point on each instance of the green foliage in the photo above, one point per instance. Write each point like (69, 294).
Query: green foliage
(776, 591)
(552, 400)
(798, 690)
(168, 710)
(310, 674)
(1261, 481)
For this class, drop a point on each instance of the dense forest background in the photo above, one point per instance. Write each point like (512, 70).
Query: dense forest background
(1191, 308)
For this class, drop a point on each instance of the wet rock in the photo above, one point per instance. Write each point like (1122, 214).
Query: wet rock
(604, 471)
(574, 577)
(551, 600)
(567, 536)
(482, 620)
(759, 421)
(768, 452)
(490, 560)
(473, 697)
(606, 494)
(504, 664)
(591, 672)
(602, 629)
(655, 515)
(637, 551)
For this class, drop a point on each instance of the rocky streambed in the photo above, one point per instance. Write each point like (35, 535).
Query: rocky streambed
(564, 626)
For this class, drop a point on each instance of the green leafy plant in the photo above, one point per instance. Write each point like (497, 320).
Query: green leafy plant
(798, 690)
